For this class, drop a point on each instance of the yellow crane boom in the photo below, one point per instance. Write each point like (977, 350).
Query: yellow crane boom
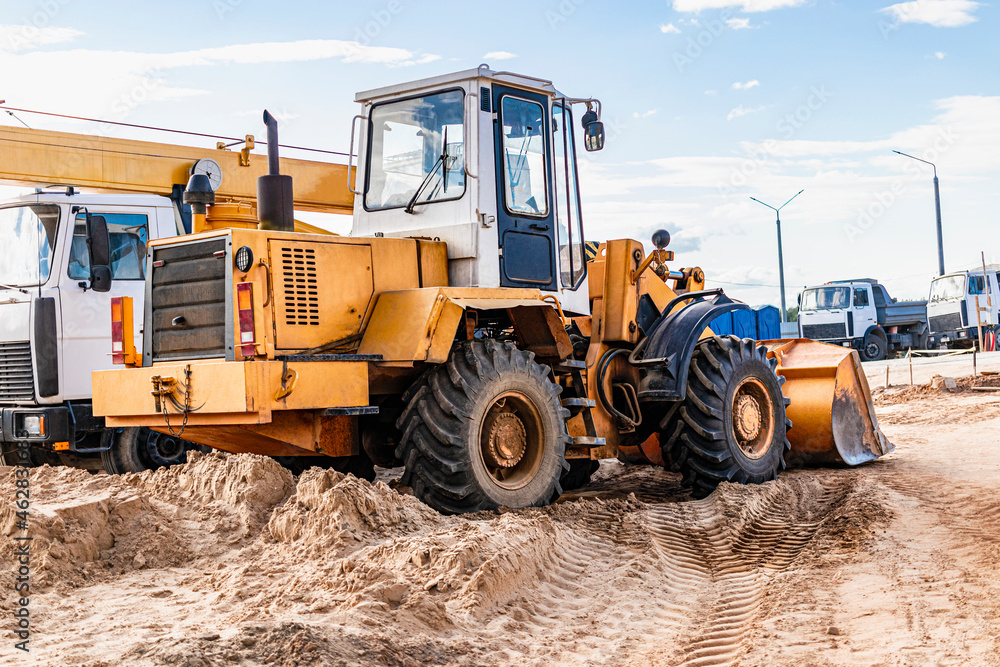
(44, 157)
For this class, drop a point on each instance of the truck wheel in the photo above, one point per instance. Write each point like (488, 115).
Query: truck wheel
(579, 474)
(9, 456)
(874, 349)
(731, 427)
(138, 449)
(484, 430)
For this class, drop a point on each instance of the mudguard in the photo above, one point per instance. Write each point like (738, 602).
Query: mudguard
(664, 356)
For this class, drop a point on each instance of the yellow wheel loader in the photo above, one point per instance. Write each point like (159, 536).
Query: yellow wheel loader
(464, 330)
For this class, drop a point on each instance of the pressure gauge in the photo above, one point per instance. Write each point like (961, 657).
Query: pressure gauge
(210, 168)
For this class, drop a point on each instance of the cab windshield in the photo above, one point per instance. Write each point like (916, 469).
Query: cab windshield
(826, 298)
(949, 287)
(417, 151)
(27, 243)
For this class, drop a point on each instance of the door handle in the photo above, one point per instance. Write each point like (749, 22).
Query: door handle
(538, 227)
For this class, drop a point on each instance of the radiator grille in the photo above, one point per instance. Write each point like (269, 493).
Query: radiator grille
(17, 383)
(299, 286)
(824, 331)
(189, 300)
(944, 323)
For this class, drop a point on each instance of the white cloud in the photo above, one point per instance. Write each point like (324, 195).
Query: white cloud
(499, 55)
(742, 5)
(746, 86)
(711, 92)
(670, 29)
(119, 81)
(17, 38)
(744, 111)
(938, 13)
(645, 114)
(940, 55)
(738, 24)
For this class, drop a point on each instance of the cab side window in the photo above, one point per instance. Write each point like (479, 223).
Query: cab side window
(860, 297)
(977, 285)
(128, 232)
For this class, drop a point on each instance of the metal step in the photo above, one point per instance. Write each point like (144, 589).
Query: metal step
(578, 402)
(588, 441)
(570, 366)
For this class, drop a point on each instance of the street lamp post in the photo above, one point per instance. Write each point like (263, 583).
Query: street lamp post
(937, 209)
(781, 261)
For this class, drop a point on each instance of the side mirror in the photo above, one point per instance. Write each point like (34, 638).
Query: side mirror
(99, 249)
(593, 139)
(800, 299)
(593, 131)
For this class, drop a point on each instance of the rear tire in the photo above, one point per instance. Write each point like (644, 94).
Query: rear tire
(484, 430)
(732, 425)
(139, 449)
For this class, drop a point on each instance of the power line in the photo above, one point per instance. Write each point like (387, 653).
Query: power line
(10, 110)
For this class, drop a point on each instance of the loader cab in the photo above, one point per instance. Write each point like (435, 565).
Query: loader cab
(485, 161)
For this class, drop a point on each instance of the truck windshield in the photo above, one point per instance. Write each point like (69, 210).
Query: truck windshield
(405, 149)
(949, 287)
(27, 243)
(826, 298)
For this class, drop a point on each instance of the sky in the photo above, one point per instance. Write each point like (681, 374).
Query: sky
(705, 102)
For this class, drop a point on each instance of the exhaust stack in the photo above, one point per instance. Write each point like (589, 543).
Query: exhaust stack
(275, 204)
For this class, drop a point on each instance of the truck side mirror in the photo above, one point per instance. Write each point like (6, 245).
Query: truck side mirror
(99, 249)
(593, 131)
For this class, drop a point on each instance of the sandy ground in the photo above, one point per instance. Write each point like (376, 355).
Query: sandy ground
(229, 560)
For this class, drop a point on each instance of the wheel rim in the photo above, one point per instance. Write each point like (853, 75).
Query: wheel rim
(872, 350)
(162, 450)
(753, 418)
(510, 440)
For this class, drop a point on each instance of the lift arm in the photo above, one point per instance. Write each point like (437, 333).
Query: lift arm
(43, 157)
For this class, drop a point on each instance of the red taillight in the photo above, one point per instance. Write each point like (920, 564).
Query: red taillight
(244, 304)
(122, 340)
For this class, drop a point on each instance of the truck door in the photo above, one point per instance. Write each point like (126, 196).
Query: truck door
(86, 314)
(525, 218)
(863, 312)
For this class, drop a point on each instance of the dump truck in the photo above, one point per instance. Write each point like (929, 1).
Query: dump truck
(54, 311)
(860, 314)
(952, 304)
(460, 332)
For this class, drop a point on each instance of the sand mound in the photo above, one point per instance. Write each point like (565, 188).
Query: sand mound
(330, 509)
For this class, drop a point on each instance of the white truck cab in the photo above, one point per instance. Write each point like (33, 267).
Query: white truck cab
(951, 307)
(862, 315)
(53, 325)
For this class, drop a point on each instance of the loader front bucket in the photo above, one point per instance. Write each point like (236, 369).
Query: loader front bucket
(832, 414)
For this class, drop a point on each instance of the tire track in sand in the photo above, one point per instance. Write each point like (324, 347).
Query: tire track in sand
(730, 555)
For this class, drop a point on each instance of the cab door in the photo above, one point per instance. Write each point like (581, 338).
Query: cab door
(86, 314)
(863, 314)
(525, 218)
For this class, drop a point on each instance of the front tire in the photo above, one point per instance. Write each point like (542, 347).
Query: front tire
(732, 424)
(874, 349)
(484, 430)
(139, 449)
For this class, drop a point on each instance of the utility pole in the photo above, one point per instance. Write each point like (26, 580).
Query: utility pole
(781, 260)
(937, 209)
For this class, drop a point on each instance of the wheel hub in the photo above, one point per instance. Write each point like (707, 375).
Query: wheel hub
(507, 441)
(753, 420)
(748, 419)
